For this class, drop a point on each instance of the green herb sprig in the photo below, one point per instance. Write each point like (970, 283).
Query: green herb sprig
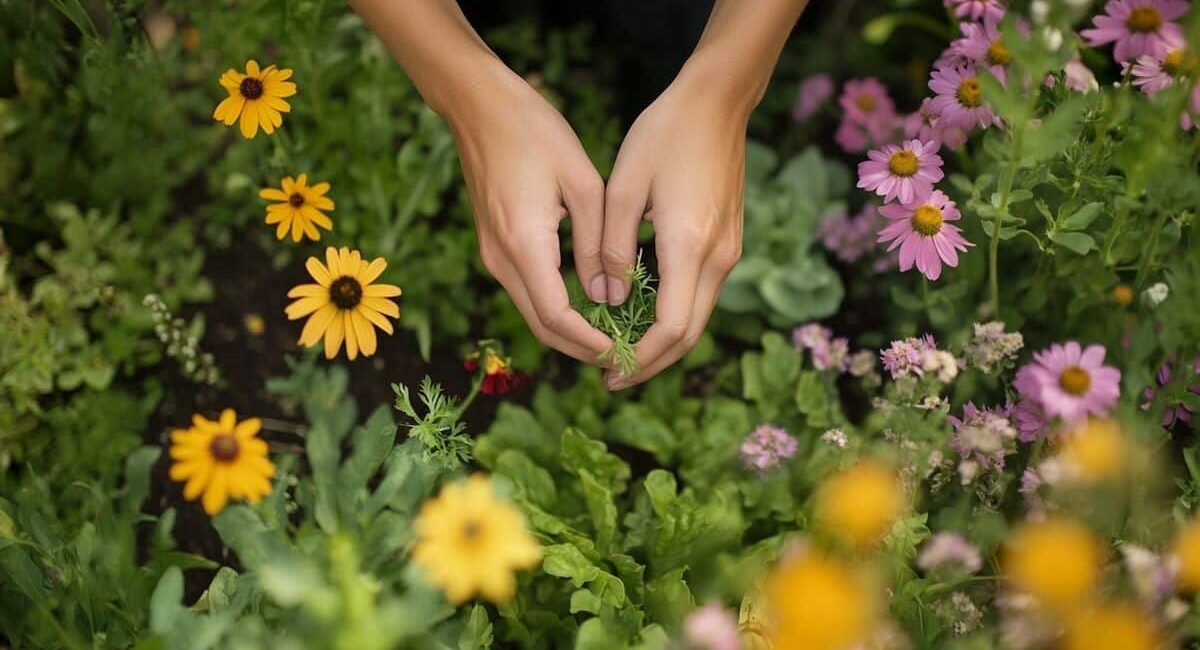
(625, 324)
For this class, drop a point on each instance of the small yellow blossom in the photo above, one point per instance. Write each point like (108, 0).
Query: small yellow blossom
(860, 503)
(298, 207)
(255, 324)
(1113, 626)
(344, 305)
(220, 460)
(470, 541)
(1057, 561)
(1096, 451)
(1122, 294)
(1187, 549)
(818, 602)
(255, 98)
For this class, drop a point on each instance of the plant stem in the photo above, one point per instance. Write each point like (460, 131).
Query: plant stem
(1006, 184)
(476, 384)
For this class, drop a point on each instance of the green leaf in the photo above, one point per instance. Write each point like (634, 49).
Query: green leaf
(581, 454)
(602, 509)
(668, 598)
(635, 425)
(372, 443)
(812, 400)
(532, 482)
(1077, 242)
(166, 603)
(1056, 132)
(477, 632)
(137, 479)
(324, 452)
(1081, 218)
(19, 570)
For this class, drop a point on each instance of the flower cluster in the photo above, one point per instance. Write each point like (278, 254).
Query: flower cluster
(948, 552)
(766, 446)
(906, 358)
(828, 353)
(982, 438)
(991, 347)
(498, 374)
(849, 237)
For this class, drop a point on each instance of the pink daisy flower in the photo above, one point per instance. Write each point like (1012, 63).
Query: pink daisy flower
(1079, 77)
(1138, 27)
(1070, 381)
(921, 231)
(712, 627)
(811, 96)
(925, 126)
(1151, 74)
(866, 103)
(982, 44)
(905, 173)
(959, 99)
(977, 9)
(851, 137)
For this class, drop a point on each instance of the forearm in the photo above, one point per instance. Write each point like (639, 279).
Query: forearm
(436, 46)
(739, 48)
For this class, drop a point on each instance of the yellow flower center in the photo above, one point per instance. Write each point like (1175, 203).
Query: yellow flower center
(1144, 20)
(1179, 63)
(494, 364)
(865, 102)
(296, 199)
(251, 88)
(998, 54)
(969, 93)
(471, 530)
(345, 292)
(903, 163)
(1075, 380)
(224, 447)
(1122, 294)
(927, 220)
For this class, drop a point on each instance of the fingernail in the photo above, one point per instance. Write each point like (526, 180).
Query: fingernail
(598, 289)
(616, 291)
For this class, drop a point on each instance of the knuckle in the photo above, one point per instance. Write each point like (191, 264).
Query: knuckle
(590, 186)
(615, 258)
(675, 330)
(727, 257)
(490, 258)
(692, 338)
(554, 319)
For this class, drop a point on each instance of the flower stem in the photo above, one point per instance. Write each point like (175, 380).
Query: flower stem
(1006, 184)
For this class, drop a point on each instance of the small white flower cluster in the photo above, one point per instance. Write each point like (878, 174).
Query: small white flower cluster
(835, 437)
(991, 346)
(181, 345)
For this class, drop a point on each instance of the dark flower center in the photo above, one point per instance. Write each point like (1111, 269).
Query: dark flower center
(1144, 20)
(927, 220)
(1179, 63)
(471, 530)
(998, 54)
(969, 94)
(1075, 380)
(345, 292)
(224, 447)
(903, 163)
(251, 88)
(296, 199)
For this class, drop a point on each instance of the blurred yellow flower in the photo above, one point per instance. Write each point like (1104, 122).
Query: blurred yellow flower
(255, 324)
(470, 541)
(1057, 561)
(1113, 626)
(1187, 549)
(255, 98)
(818, 602)
(1095, 451)
(1122, 294)
(860, 503)
(220, 460)
(298, 207)
(343, 306)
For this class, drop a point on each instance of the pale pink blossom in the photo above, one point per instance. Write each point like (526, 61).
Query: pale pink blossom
(814, 91)
(1138, 27)
(904, 172)
(922, 232)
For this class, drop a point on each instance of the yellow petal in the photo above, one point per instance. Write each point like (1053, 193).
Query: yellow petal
(301, 181)
(281, 230)
(318, 271)
(289, 187)
(310, 231)
(249, 121)
(319, 189)
(248, 428)
(377, 319)
(314, 215)
(231, 80)
(279, 88)
(216, 495)
(228, 420)
(306, 290)
(369, 272)
(252, 69)
(229, 109)
(317, 324)
(197, 483)
(351, 337)
(332, 259)
(333, 337)
(363, 332)
(273, 194)
(297, 228)
(321, 203)
(381, 291)
(383, 306)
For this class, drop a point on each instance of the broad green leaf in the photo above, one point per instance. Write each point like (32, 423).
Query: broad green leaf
(166, 604)
(1079, 243)
(1081, 218)
(582, 454)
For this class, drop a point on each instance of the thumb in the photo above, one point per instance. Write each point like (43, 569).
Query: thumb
(583, 196)
(625, 203)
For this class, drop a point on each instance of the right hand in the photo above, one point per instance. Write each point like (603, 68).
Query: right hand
(525, 171)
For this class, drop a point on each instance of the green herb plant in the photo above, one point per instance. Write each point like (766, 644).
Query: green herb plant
(625, 324)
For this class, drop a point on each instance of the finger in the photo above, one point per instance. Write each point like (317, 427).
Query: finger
(538, 266)
(625, 203)
(680, 268)
(709, 289)
(583, 196)
(508, 277)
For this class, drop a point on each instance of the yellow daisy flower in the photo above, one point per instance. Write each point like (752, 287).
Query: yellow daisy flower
(298, 208)
(860, 503)
(344, 305)
(819, 602)
(470, 541)
(255, 98)
(220, 460)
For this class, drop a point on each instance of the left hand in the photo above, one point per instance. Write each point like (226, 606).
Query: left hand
(681, 167)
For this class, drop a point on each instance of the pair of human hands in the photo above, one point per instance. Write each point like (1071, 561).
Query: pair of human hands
(681, 167)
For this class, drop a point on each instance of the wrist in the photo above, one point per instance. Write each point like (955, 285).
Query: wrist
(722, 79)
